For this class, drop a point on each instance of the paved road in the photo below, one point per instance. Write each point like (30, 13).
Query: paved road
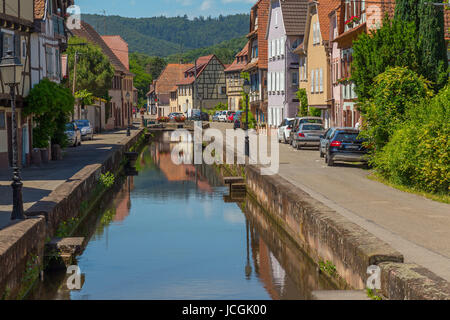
(417, 227)
(39, 182)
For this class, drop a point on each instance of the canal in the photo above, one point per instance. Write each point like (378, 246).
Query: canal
(172, 233)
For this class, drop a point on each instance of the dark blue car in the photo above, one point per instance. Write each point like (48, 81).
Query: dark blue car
(343, 144)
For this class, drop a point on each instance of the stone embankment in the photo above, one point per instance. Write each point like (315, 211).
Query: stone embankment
(329, 238)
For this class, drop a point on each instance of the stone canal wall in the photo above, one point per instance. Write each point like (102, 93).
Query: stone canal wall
(326, 236)
(22, 244)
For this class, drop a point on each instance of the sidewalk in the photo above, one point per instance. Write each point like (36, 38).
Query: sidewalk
(39, 182)
(417, 227)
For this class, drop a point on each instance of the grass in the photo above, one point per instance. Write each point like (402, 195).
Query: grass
(444, 198)
(372, 294)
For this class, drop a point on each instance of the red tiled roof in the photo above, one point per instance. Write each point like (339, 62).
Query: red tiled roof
(237, 66)
(119, 47)
(170, 77)
(324, 7)
(202, 62)
(88, 32)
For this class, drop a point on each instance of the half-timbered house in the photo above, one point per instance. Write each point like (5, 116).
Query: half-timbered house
(204, 85)
(16, 25)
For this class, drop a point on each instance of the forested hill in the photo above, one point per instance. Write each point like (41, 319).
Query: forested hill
(163, 36)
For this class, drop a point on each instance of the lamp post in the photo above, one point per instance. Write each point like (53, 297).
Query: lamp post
(12, 69)
(127, 96)
(246, 87)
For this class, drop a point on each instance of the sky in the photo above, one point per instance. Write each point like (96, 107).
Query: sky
(169, 8)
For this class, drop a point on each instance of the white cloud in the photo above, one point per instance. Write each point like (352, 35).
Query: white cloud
(206, 5)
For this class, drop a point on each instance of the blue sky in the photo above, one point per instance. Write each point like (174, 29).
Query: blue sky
(151, 8)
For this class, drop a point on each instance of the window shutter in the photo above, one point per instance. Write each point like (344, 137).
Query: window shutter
(312, 81)
(282, 81)
(317, 80)
(270, 49)
(321, 80)
(283, 45)
(17, 45)
(318, 32)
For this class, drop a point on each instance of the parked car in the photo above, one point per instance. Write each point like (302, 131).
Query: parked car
(231, 117)
(308, 135)
(204, 116)
(299, 121)
(87, 131)
(223, 116)
(284, 131)
(215, 117)
(195, 115)
(73, 134)
(345, 145)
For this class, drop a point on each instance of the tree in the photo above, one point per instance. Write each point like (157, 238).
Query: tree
(432, 48)
(94, 70)
(428, 20)
(51, 104)
(393, 45)
(302, 96)
(142, 81)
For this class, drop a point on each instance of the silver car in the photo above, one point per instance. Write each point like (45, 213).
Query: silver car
(73, 134)
(87, 131)
(308, 135)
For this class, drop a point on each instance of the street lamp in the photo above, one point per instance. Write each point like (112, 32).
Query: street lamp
(246, 87)
(12, 69)
(127, 96)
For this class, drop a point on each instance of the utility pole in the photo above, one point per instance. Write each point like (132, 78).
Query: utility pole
(75, 73)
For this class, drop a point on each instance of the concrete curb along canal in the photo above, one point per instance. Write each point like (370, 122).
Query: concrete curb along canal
(327, 237)
(22, 244)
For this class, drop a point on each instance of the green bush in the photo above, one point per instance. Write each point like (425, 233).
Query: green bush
(418, 155)
(51, 104)
(394, 92)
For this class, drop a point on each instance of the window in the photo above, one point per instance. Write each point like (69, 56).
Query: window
(8, 43)
(294, 79)
(2, 120)
(312, 81)
(223, 90)
(282, 81)
(282, 45)
(24, 49)
(278, 47)
(49, 60)
(316, 33)
(58, 64)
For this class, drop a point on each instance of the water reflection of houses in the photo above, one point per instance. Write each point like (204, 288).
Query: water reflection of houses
(286, 272)
(123, 199)
(171, 178)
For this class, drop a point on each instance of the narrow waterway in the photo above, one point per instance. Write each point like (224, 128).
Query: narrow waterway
(172, 233)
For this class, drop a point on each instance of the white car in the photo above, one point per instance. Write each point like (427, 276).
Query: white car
(284, 130)
(223, 116)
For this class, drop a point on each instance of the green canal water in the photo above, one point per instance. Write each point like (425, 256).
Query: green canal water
(168, 233)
